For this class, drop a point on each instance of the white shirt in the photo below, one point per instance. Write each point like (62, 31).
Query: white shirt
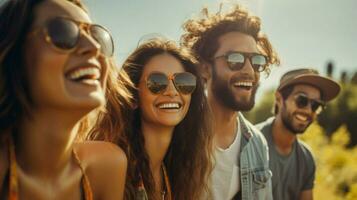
(225, 176)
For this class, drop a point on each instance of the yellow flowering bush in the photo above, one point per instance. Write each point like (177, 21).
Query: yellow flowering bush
(336, 172)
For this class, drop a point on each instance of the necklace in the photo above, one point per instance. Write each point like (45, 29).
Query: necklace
(167, 187)
(165, 193)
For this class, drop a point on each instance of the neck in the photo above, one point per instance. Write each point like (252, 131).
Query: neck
(157, 142)
(282, 137)
(225, 123)
(44, 142)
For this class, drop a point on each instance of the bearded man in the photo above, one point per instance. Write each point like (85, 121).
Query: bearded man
(300, 97)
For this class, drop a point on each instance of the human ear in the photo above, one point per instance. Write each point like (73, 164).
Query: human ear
(278, 102)
(205, 71)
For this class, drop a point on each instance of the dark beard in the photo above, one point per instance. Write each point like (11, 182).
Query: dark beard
(287, 121)
(224, 94)
(289, 126)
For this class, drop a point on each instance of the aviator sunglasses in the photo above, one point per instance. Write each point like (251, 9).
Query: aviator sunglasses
(64, 34)
(236, 60)
(301, 101)
(184, 82)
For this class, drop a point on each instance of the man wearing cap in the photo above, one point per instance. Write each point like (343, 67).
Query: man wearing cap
(300, 97)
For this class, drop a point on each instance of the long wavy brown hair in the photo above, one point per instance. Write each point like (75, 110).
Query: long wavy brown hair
(201, 34)
(188, 160)
(16, 20)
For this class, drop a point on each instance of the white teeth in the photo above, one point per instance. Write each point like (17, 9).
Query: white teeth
(245, 84)
(91, 73)
(90, 81)
(169, 105)
(301, 117)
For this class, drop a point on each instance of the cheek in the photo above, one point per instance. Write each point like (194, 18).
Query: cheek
(38, 52)
(45, 70)
(187, 100)
(108, 69)
(289, 107)
(219, 71)
(257, 76)
(145, 101)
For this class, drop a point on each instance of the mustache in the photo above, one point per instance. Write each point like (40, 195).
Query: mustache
(244, 78)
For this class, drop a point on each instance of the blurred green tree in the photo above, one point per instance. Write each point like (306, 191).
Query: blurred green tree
(263, 109)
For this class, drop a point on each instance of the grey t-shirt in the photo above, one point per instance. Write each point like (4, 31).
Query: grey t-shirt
(293, 173)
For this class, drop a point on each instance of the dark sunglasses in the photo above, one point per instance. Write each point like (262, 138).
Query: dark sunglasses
(301, 101)
(184, 82)
(236, 60)
(64, 34)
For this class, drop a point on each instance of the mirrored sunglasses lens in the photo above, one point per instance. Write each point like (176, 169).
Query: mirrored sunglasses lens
(259, 61)
(185, 82)
(103, 37)
(316, 106)
(235, 60)
(64, 33)
(301, 101)
(157, 82)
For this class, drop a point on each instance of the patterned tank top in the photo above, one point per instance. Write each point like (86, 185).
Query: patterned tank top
(166, 194)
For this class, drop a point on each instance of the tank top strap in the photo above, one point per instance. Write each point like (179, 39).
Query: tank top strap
(88, 194)
(13, 181)
(13, 184)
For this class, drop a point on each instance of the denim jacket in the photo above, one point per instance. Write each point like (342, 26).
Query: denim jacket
(255, 175)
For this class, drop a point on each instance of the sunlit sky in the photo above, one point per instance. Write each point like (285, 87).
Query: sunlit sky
(304, 32)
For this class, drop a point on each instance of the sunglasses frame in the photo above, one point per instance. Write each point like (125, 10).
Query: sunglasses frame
(246, 56)
(321, 105)
(82, 27)
(169, 78)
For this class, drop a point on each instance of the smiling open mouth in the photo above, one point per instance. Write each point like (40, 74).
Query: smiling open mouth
(89, 75)
(244, 85)
(302, 118)
(169, 106)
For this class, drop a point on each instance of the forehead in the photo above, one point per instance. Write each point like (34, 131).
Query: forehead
(164, 63)
(310, 91)
(59, 8)
(236, 41)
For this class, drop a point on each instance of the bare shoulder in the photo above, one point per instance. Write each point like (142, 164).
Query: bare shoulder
(93, 151)
(105, 165)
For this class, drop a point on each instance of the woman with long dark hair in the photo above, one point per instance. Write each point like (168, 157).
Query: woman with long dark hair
(54, 68)
(167, 136)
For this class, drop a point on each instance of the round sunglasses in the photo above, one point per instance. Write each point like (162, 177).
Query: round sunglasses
(184, 82)
(64, 33)
(236, 60)
(301, 101)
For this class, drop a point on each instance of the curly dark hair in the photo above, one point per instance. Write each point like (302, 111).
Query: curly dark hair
(188, 160)
(202, 34)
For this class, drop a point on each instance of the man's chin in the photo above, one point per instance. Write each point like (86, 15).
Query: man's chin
(244, 106)
(247, 107)
(245, 103)
(298, 130)
(301, 128)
